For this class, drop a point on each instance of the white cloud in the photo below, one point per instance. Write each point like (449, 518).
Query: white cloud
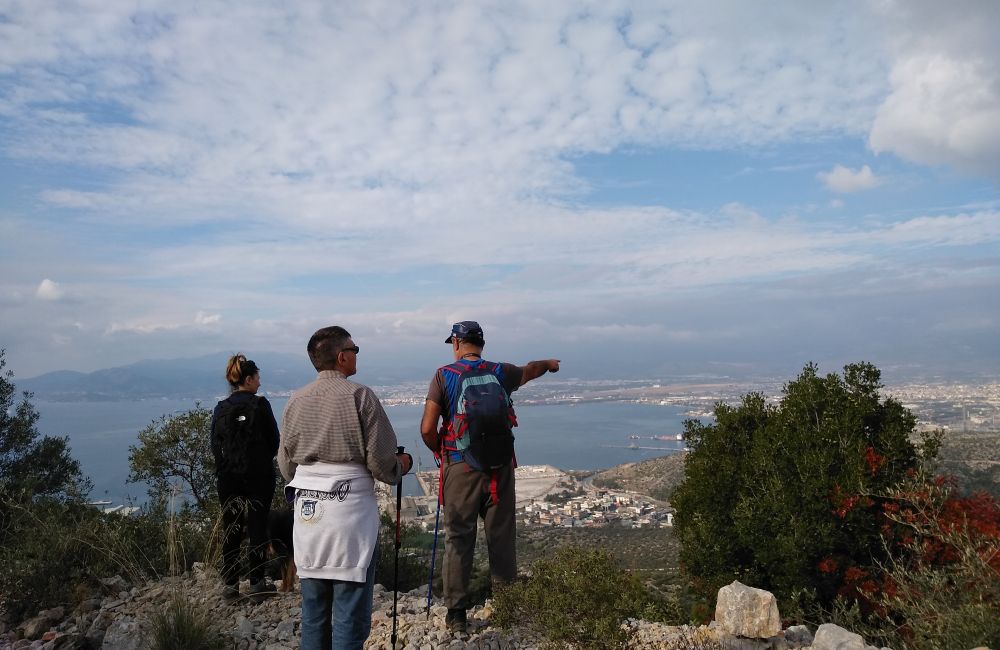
(342, 149)
(75, 199)
(948, 230)
(48, 290)
(201, 318)
(943, 107)
(139, 327)
(942, 111)
(284, 111)
(842, 180)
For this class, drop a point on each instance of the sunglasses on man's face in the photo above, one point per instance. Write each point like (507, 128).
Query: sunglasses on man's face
(355, 349)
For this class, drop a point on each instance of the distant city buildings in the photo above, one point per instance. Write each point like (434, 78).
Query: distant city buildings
(546, 496)
(951, 405)
(600, 508)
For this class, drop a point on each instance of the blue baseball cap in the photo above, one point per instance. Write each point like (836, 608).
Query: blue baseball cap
(467, 329)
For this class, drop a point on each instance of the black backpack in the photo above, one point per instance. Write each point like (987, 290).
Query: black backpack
(234, 434)
(484, 416)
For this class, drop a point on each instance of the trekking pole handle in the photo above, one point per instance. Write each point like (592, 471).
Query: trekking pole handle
(399, 500)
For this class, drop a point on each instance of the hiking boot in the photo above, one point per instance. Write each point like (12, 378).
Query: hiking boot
(455, 620)
(261, 589)
(231, 592)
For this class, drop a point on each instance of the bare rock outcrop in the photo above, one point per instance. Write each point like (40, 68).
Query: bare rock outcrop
(747, 612)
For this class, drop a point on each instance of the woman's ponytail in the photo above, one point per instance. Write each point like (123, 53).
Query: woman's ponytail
(239, 369)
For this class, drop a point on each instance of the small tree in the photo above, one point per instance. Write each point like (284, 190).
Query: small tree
(32, 465)
(783, 496)
(177, 448)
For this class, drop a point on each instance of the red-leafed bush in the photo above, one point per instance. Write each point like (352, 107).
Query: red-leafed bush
(939, 586)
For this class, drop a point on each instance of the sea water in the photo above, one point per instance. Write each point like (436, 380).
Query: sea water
(582, 435)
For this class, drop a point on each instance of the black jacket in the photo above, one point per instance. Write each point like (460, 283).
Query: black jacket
(262, 447)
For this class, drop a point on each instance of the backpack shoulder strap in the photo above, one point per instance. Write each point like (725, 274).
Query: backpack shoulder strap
(452, 374)
(495, 368)
(454, 368)
(253, 405)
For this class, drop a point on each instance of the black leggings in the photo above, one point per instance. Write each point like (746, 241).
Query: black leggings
(246, 501)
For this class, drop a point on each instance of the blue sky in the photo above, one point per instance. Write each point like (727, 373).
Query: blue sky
(635, 187)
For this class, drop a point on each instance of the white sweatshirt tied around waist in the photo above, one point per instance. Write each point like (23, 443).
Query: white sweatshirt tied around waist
(336, 520)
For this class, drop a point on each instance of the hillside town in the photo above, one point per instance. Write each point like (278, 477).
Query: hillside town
(603, 508)
(546, 497)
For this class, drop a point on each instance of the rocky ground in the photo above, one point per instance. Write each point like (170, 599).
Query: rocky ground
(120, 620)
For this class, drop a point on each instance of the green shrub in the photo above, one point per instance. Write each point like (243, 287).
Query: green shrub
(182, 625)
(578, 596)
(41, 559)
(783, 496)
(54, 550)
(608, 483)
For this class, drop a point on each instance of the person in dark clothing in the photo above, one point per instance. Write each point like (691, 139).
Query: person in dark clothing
(245, 487)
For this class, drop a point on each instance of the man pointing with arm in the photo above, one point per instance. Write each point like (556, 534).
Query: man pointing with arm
(471, 398)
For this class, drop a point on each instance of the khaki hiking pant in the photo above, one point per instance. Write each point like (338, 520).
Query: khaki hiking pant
(467, 498)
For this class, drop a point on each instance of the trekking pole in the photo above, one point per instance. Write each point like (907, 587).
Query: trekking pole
(395, 566)
(434, 548)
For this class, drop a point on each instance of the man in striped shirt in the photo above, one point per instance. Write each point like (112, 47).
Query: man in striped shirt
(336, 440)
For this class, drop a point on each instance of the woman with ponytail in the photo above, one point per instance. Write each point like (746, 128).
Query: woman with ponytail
(244, 443)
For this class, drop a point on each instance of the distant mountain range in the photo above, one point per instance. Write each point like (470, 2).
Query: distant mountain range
(199, 377)
(202, 377)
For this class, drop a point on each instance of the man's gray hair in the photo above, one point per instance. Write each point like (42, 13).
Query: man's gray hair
(325, 345)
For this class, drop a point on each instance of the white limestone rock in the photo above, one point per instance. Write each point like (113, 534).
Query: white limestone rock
(747, 612)
(833, 637)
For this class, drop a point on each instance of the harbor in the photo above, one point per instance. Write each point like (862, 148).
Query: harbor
(675, 438)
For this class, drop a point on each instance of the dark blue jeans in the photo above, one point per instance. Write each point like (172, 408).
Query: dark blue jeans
(337, 613)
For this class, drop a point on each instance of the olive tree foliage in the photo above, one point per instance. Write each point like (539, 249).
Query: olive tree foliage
(32, 465)
(174, 458)
(775, 494)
